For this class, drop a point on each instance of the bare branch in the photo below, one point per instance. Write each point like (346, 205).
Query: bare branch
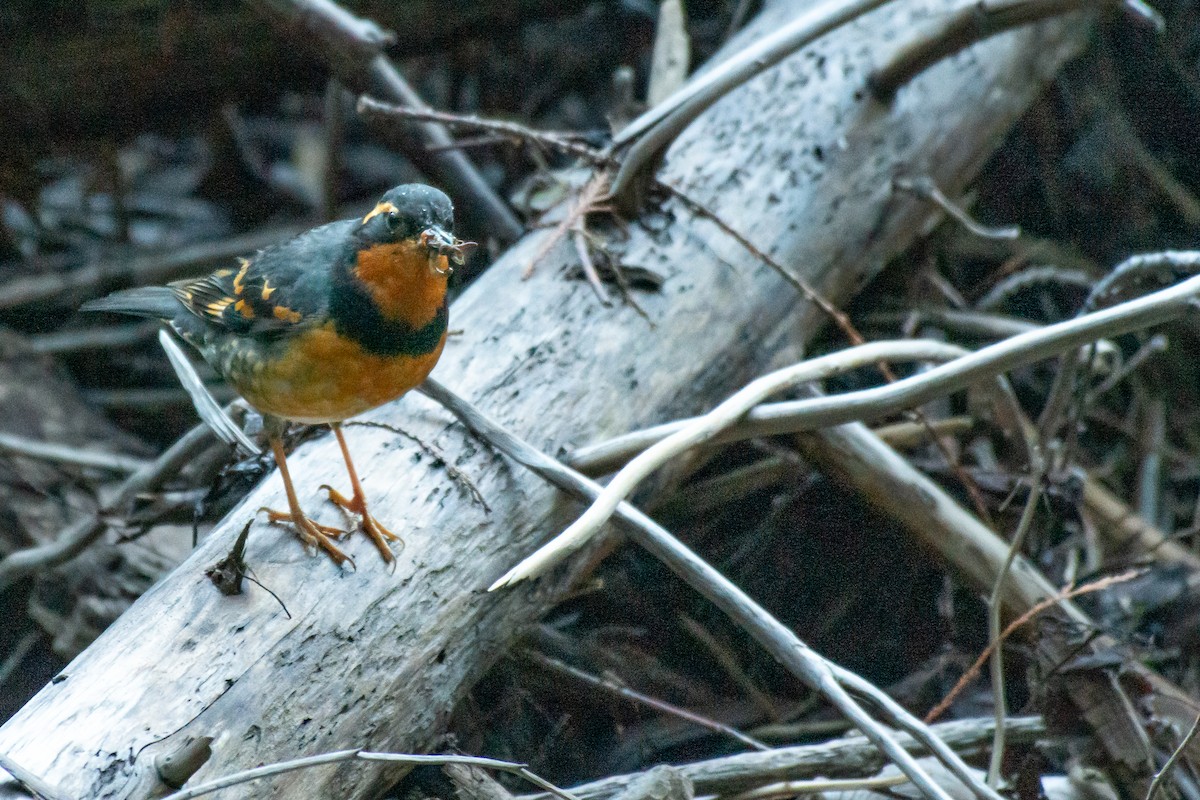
(1016, 351)
(87, 529)
(962, 29)
(848, 756)
(774, 636)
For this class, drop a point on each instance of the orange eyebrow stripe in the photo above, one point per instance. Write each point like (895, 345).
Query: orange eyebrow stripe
(377, 210)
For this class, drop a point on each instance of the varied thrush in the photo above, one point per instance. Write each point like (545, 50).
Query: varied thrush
(339, 320)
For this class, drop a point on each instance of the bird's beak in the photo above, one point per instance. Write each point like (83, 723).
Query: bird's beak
(440, 242)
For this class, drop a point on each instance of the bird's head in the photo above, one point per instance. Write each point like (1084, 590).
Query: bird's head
(418, 215)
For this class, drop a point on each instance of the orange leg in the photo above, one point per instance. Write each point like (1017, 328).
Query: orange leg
(311, 533)
(358, 503)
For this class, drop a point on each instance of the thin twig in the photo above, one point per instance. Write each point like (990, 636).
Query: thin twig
(338, 756)
(843, 322)
(69, 454)
(352, 48)
(1161, 776)
(797, 282)
(456, 474)
(726, 775)
(1155, 345)
(904, 435)
(1034, 278)
(566, 142)
(520, 770)
(87, 529)
(17, 654)
(730, 664)
(925, 188)
(579, 236)
(1044, 605)
(700, 499)
(584, 202)
(701, 430)
(968, 323)
(470, 143)
(815, 787)
(1150, 476)
(332, 143)
(266, 771)
(861, 405)
(149, 268)
(655, 703)
(995, 607)
(969, 25)
(1016, 351)
(1139, 274)
(776, 638)
(77, 341)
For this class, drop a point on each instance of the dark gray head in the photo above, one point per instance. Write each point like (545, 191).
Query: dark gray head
(417, 212)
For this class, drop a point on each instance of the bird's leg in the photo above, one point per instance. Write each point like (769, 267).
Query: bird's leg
(311, 533)
(358, 503)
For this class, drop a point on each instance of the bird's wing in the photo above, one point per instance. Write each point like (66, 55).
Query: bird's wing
(281, 289)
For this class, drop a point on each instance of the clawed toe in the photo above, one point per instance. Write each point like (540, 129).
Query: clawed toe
(312, 533)
(378, 534)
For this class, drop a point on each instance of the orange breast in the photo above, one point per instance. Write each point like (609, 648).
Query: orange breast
(323, 377)
(405, 280)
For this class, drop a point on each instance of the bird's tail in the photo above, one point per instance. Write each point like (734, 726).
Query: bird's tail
(158, 302)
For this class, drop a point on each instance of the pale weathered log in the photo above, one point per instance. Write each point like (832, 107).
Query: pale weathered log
(800, 161)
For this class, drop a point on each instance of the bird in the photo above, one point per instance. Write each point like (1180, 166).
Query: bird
(341, 319)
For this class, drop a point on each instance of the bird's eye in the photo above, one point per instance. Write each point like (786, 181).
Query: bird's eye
(393, 219)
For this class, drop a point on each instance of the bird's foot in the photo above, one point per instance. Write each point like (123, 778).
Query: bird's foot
(380, 535)
(313, 534)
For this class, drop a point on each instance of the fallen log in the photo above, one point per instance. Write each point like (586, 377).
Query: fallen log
(799, 160)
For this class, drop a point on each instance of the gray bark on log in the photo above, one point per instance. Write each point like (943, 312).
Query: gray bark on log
(799, 160)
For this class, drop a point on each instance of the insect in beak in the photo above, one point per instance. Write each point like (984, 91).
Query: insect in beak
(441, 243)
